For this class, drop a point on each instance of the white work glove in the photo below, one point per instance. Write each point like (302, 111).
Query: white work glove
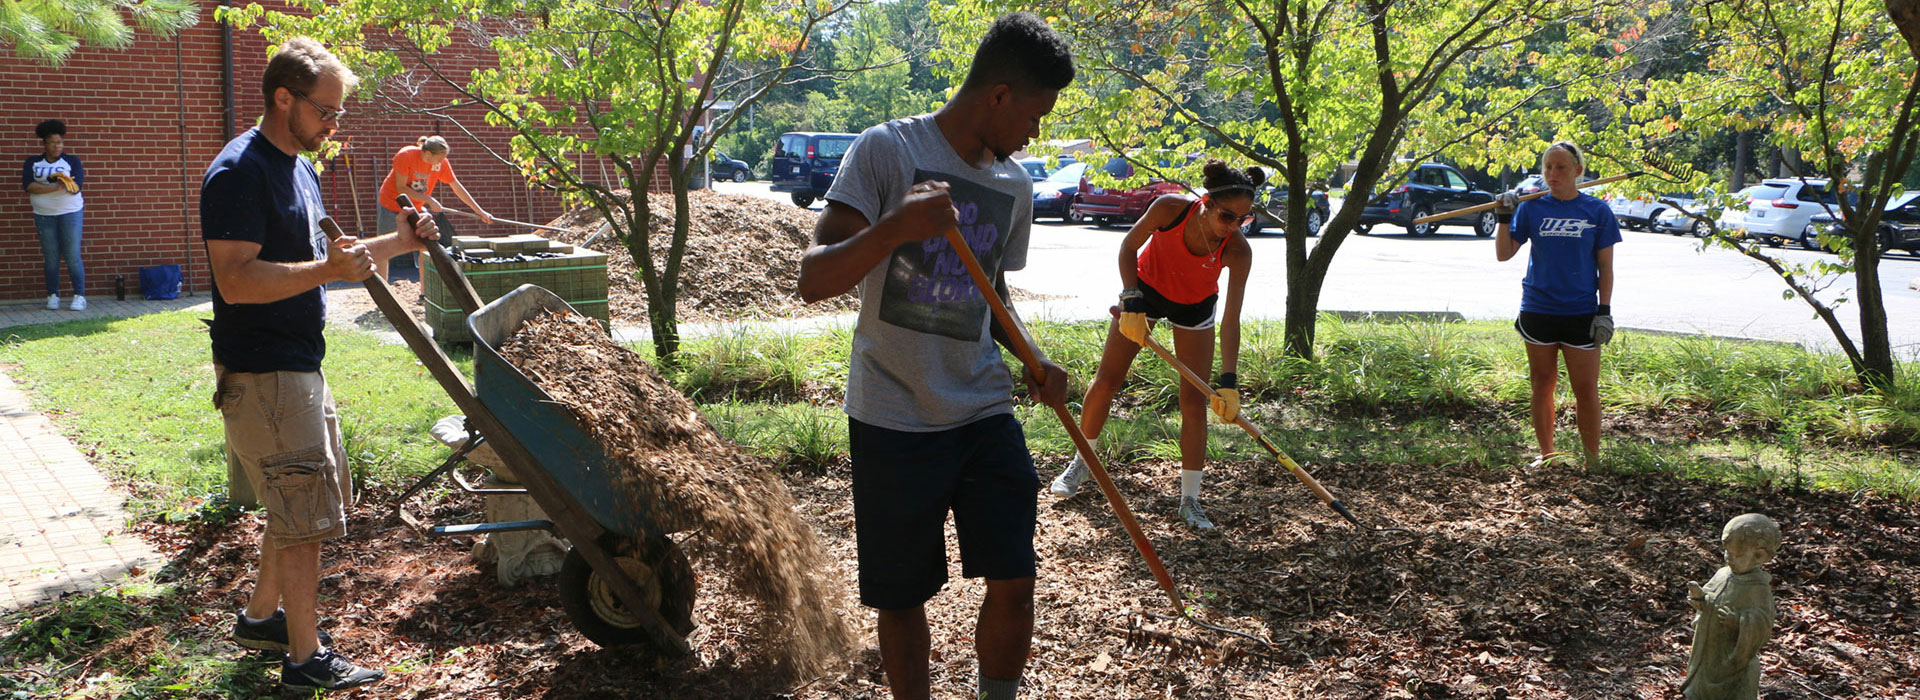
(1603, 325)
(1508, 201)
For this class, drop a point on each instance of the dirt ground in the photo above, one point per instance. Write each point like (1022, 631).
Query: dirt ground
(1518, 584)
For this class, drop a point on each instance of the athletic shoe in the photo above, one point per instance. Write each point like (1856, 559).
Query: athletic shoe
(79, 304)
(1068, 482)
(326, 671)
(53, 302)
(268, 635)
(1190, 512)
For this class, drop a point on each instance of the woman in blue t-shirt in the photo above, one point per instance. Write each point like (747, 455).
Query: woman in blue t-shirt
(1565, 295)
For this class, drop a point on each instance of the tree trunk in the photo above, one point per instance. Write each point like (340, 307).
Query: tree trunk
(1742, 160)
(1906, 16)
(1876, 346)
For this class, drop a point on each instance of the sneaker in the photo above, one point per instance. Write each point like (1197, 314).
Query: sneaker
(53, 302)
(79, 304)
(270, 635)
(1190, 512)
(326, 671)
(1068, 482)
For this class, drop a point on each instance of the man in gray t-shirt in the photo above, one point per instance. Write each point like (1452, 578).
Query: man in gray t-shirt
(929, 401)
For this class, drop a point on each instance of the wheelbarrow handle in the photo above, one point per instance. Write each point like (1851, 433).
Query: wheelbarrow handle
(443, 263)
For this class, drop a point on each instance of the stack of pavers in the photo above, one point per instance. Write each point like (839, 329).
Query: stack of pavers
(500, 264)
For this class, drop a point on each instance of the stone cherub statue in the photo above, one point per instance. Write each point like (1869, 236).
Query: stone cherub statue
(1734, 614)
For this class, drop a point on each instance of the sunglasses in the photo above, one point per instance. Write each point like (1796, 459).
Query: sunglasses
(1229, 218)
(326, 114)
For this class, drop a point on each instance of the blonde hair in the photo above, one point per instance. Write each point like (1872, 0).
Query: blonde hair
(299, 64)
(1571, 150)
(433, 144)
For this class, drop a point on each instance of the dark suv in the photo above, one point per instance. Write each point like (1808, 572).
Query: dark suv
(1432, 188)
(1271, 209)
(722, 167)
(804, 162)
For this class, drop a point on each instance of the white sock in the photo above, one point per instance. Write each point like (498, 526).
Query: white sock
(1081, 459)
(251, 620)
(1190, 483)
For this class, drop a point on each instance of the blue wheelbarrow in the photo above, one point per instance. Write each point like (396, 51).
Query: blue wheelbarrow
(624, 581)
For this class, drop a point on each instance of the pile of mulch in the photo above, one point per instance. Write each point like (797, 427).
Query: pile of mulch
(1548, 583)
(742, 260)
(674, 464)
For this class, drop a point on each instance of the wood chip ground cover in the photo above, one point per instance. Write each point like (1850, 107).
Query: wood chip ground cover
(1525, 584)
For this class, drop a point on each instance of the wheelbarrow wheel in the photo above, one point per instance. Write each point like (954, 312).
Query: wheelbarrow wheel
(665, 578)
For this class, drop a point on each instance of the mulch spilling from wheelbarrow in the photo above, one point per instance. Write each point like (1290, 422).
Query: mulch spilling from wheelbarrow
(1525, 584)
(680, 466)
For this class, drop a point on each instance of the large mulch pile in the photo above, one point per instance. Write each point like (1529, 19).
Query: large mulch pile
(742, 260)
(1522, 584)
(677, 467)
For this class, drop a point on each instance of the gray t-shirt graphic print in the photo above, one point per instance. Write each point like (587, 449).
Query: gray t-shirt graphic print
(928, 288)
(923, 357)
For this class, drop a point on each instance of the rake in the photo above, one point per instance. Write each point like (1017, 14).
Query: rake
(1080, 443)
(1660, 166)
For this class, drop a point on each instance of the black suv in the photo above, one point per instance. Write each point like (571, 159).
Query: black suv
(1270, 209)
(723, 167)
(1433, 188)
(1899, 225)
(804, 162)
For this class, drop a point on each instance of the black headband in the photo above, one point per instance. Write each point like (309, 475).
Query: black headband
(1230, 188)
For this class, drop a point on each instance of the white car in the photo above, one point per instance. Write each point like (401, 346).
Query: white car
(1778, 209)
(1642, 211)
(1672, 220)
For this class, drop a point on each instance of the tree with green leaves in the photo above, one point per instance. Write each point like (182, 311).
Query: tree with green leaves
(585, 84)
(1840, 89)
(49, 32)
(1302, 86)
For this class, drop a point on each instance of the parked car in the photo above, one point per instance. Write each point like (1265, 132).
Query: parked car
(1432, 188)
(1053, 195)
(1778, 210)
(1106, 207)
(1270, 209)
(1530, 185)
(1671, 220)
(1899, 225)
(804, 163)
(723, 167)
(1640, 211)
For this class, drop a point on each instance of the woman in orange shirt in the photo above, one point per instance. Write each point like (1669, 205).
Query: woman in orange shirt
(1177, 279)
(416, 169)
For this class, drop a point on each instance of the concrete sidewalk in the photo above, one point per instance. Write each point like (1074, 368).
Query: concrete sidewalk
(61, 526)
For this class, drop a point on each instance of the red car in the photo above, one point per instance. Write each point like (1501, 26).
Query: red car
(1107, 207)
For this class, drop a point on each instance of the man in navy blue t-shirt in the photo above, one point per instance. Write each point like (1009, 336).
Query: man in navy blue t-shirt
(260, 215)
(1565, 297)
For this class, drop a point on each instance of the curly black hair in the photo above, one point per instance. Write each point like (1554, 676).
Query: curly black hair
(1021, 51)
(50, 127)
(1222, 179)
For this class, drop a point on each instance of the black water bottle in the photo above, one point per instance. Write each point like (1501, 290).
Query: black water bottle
(120, 287)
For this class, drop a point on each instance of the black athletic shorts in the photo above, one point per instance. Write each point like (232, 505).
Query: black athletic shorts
(905, 483)
(1194, 317)
(1574, 331)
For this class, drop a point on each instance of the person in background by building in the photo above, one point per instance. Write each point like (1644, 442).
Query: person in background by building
(53, 181)
(259, 215)
(1565, 298)
(416, 169)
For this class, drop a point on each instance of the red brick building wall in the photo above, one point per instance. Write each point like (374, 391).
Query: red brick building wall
(144, 162)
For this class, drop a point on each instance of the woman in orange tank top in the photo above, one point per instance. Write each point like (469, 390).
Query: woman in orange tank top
(1176, 278)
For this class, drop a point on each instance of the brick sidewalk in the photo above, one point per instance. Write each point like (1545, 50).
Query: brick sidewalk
(61, 527)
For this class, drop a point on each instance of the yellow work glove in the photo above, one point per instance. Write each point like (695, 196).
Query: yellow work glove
(67, 183)
(1133, 316)
(1226, 398)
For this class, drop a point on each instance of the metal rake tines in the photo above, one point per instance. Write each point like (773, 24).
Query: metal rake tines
(1169, 648)
(1668, 168)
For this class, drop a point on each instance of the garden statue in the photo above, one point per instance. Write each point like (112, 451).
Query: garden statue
(1733, 614)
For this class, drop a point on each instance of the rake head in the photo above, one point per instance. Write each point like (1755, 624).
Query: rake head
(1169, 648)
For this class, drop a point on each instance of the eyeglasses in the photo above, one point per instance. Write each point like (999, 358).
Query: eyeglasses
(1229, 218)
(326, 114)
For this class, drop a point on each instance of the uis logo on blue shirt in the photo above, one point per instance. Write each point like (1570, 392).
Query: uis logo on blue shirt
(1564, 228)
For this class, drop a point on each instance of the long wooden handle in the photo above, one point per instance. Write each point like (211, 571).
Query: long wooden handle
(1477, 208)
(1298, 472)
(1080, 443)
(509, 222)
(443, 263)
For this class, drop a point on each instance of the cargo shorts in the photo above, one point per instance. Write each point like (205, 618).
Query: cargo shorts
(284, 434)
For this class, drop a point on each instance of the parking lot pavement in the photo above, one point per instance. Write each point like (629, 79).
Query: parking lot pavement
(1662, 282)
